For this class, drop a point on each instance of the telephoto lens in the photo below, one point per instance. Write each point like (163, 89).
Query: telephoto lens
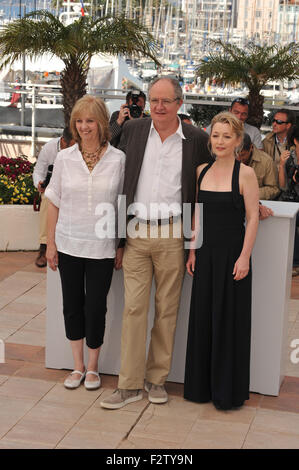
(48, 177)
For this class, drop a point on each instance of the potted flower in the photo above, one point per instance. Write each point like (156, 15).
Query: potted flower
(19, 222)
(16, 184)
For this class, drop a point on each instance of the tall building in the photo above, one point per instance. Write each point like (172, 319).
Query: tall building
(288, 21)
(13, 9)
(211, 17)
(257, 19)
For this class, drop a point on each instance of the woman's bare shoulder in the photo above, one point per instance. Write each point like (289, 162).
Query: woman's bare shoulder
(248, 180)
(199, 168)
(246, 172)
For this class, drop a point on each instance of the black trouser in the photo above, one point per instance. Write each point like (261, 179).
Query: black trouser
(85, 286)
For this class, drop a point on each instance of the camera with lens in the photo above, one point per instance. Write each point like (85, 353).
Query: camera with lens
(135, 110)
(291, 194)
(296, 167)
(45, 183)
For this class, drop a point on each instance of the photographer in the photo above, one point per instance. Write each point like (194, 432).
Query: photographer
(132, 109)
(288, 168)
(41, 178)
(264, 168)
(289, 183)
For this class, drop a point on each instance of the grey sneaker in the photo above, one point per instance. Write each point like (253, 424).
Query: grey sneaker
(120, 398)
(156, 393)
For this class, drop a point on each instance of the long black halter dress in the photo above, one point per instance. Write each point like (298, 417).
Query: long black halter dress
(218, 347)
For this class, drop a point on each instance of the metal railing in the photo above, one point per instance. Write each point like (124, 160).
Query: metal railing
(31, 92)
(37, 96)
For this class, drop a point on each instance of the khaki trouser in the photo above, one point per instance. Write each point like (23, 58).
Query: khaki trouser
(144, 258)
(43, 215)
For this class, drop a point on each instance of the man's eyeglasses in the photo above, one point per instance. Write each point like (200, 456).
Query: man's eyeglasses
(242, 101)
(279, 121)
(164, 102)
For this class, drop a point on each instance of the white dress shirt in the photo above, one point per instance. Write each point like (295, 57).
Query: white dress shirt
(160, 177)
(87, 202)
(255, 135)
(46, 157)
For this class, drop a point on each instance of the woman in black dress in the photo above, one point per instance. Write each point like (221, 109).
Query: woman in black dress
(218, 349)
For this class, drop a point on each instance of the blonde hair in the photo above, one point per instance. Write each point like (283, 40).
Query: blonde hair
(97, 109)
(235, 124)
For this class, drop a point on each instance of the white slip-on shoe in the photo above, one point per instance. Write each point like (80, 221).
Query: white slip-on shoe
(74, 383)
(94, 384)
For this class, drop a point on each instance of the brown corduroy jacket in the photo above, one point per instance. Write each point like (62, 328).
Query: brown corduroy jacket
(266, 173)
(269, 144)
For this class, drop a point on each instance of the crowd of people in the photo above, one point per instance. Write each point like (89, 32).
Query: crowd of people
(160, 163)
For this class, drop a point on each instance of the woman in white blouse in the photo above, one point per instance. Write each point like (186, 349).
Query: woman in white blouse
(86, 181)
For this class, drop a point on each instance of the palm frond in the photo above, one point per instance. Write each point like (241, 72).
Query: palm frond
(40, 33)
(253, 65)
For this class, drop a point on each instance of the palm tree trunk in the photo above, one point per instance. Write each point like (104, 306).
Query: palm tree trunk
(256, 109)
(73, 83)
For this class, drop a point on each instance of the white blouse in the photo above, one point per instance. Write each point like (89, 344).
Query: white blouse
(87, 202)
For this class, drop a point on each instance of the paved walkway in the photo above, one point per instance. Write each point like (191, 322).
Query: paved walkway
(36, 411)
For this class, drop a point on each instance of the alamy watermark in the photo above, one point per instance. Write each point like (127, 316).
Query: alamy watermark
(295, 354)
(2, 351)
(113, 224)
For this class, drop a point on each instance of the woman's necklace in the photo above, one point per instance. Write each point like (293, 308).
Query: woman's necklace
(91, 154)
(92, 158)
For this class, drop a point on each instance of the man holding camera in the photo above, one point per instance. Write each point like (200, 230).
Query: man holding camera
(289, 183)
(275, 143)
(132, 109)
(41, 178)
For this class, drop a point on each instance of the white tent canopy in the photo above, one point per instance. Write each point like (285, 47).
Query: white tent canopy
(105, 71)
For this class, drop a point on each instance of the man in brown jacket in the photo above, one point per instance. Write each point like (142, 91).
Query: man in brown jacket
(275, 142)
(162, 154)
(264, 167)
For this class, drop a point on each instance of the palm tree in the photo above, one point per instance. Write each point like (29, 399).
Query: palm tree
(74, 44)
(253, 66)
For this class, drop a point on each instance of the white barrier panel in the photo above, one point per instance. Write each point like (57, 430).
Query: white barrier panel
(272, 274)
(19, 227)
(272, 267)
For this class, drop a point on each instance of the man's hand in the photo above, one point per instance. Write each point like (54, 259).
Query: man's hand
(124, 112)
(284, 157)
(40, 188)
(118, 258)
(190, 265)
(264, 212)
